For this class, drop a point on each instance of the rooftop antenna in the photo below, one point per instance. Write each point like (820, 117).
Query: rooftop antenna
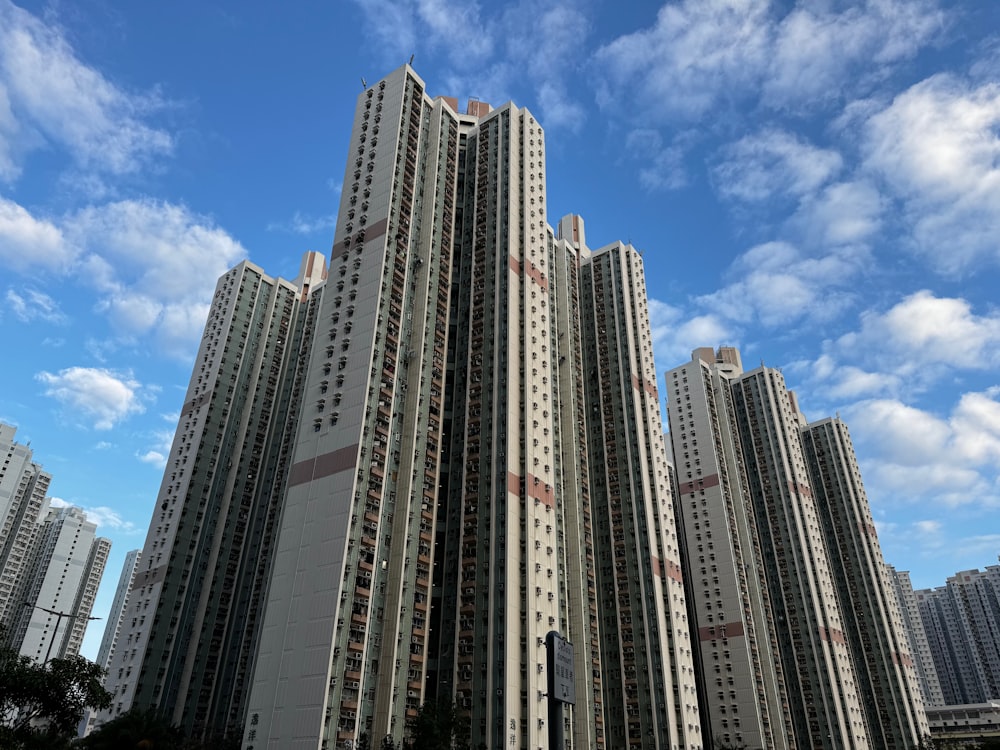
(364, 83)
(411, 60)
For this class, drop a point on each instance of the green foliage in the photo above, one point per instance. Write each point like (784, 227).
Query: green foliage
(42, 704)
(439, 725)
(135, 729)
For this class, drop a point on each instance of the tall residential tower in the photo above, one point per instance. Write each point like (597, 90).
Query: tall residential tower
(450, 492)
(801, 634)
(190, 627)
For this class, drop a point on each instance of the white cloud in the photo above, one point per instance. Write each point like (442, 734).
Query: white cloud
(697, 53)
(703, 55)
(140, 254)
(816, 53)
(154, 458)
(31, 304)
(48, 95)
(775, 284)
(401, 26)
(31, 244)
(922, 334)
(773, 163)
(844, 213)
(676, 332)
(101, 515)
(104, 396)
(493, 50)
(163, 439)
(661, 165)
(110, 518)
(915, 455)
(936, 148)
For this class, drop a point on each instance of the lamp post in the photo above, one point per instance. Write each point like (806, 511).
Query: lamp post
(55, 631)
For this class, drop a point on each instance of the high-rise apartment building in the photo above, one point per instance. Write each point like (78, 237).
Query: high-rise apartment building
(23, 485)
(961, 621)
(930, 688)
(190, 626)
(800, 633)
(746, 700)
(648, 675)
(113, 626)
(117, 612)
(60, 583)
(449, 491)
(873, 621)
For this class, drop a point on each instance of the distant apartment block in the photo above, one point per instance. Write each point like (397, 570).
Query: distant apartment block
(59, 586)
(800, 634)
(23, 486)
(961, 621)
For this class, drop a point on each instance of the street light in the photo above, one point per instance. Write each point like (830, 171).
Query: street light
(59, 619)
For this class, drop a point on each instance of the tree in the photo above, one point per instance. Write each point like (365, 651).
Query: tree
(136, 728)
(439, 725)
(42, 704)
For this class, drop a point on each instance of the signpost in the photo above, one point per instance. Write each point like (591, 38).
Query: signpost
(561, 685)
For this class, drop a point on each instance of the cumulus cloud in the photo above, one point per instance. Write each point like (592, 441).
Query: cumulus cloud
(678, 332)
(922, 335)
(162, 441)
(914, 454)
(935, 147)
(773, 163)
(843, 213)
(28, 243)
(662, 165)
(817, 52)
(489, 48)
(101, 515)
(711, 53)
(102, 396)
(48, 96)
(139, 255)
(775, 284)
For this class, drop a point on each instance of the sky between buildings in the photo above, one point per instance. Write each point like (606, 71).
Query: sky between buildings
(815, 182)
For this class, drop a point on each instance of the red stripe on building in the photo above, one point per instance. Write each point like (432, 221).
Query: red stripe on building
(701, 483)
(833, 635)
(324, 465)
(725, 630)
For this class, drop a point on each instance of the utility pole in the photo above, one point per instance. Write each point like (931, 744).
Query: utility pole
(55, 631)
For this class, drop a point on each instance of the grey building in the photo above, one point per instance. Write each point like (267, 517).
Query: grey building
(23, 486)
(442, 514)
(888, 677)
(191, 623)
(961, 621)
(59, 585)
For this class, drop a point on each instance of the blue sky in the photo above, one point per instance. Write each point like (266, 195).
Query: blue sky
(816, 182)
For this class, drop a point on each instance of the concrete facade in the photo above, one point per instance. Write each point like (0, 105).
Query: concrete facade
(441, 516)
(190, 629)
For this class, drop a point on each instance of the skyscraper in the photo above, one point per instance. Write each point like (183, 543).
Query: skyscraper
(190, 627)
(113, 626)
(60, 583)
(23, 485)
(442, 514)
(873, 623)
(930, 688)
(961, 621)
(793, 602)
(742, 678)
(117, 613)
